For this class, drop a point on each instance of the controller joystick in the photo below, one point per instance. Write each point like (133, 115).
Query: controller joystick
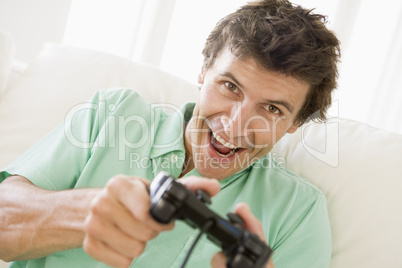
(171, 200)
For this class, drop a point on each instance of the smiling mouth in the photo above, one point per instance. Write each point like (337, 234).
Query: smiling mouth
(222, 147)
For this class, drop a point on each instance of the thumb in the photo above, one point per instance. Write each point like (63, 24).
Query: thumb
(211, 186)
(250, 221)
(218, 260)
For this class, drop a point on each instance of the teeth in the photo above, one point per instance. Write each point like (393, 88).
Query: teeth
(225, 143)
(226, 155)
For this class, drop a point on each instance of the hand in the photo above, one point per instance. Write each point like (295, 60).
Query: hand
(119, 224)
(252, 224)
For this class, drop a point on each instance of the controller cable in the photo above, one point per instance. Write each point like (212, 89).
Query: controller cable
(208, 224)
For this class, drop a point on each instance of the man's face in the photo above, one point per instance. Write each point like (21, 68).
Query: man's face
(242, 111)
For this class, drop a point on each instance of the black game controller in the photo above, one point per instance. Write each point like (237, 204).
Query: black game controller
(172, 200)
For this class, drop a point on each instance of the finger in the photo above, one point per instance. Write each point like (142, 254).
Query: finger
(250, 221)
(101, 252)
(132, 193)
(211, 186)
(252, 224)
(116, 217)
(108, 233)
(218, 260)
(130, 226)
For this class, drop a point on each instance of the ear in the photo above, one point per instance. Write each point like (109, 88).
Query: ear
(201, 76)
(294, 127)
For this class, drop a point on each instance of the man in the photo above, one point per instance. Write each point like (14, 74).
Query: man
(268, 68)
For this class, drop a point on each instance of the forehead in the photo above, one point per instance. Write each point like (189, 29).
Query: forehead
(259, 82)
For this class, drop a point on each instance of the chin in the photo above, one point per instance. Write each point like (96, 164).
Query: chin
(218, 174)
(216, 168)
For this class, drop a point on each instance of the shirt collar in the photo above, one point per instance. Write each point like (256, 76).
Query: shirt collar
(169, 135)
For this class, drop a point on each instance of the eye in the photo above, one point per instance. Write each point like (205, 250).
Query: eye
(232, 87)
(272, 109)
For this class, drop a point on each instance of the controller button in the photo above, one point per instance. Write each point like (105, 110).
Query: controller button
(240, 261)
(235, 219)
(177, 191)
(203, 197)
(164, 211)
(253, 245)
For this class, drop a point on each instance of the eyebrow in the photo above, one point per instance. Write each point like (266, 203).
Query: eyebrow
(283, 103)
(231, 76)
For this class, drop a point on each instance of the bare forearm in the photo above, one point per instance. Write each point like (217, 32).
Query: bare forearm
(35, 222)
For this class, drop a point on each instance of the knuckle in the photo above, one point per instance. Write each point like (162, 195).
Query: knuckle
(139, 249)
(149, 234)
(93, 227)
(101, 205)
(125, 263)
(142, 212)
(90, 246)
(120, 184)
(115, 182)
(86, 244)
(166, 227)
(135, 248)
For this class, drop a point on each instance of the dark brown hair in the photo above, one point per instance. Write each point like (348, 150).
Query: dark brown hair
(284, 38)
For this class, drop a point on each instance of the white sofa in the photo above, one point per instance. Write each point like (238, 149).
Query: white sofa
(359, 168)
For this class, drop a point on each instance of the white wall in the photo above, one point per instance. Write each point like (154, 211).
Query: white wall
(370, 84)
(33, 22)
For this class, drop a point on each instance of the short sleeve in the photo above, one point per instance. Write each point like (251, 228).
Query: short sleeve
(56, 161)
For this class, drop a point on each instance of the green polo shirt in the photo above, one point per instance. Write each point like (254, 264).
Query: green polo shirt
(120, 133)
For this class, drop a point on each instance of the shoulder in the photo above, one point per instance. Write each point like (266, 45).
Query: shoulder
(294, 200)
(123, 102)
(117, 96)
(294, 214)
(282, 181)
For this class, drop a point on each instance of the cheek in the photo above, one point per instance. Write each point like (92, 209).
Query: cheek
(268, 133)
(279, 131)
(208, 101)
(203, 109)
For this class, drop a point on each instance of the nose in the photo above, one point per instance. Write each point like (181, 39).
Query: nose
(236, 123)
(244, 123)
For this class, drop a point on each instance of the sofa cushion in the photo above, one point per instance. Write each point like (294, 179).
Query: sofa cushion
(359, 169)
(6, 54)
(62, 77)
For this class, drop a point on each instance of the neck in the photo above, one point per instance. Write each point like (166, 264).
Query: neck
(187, 166)
(188, 161)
